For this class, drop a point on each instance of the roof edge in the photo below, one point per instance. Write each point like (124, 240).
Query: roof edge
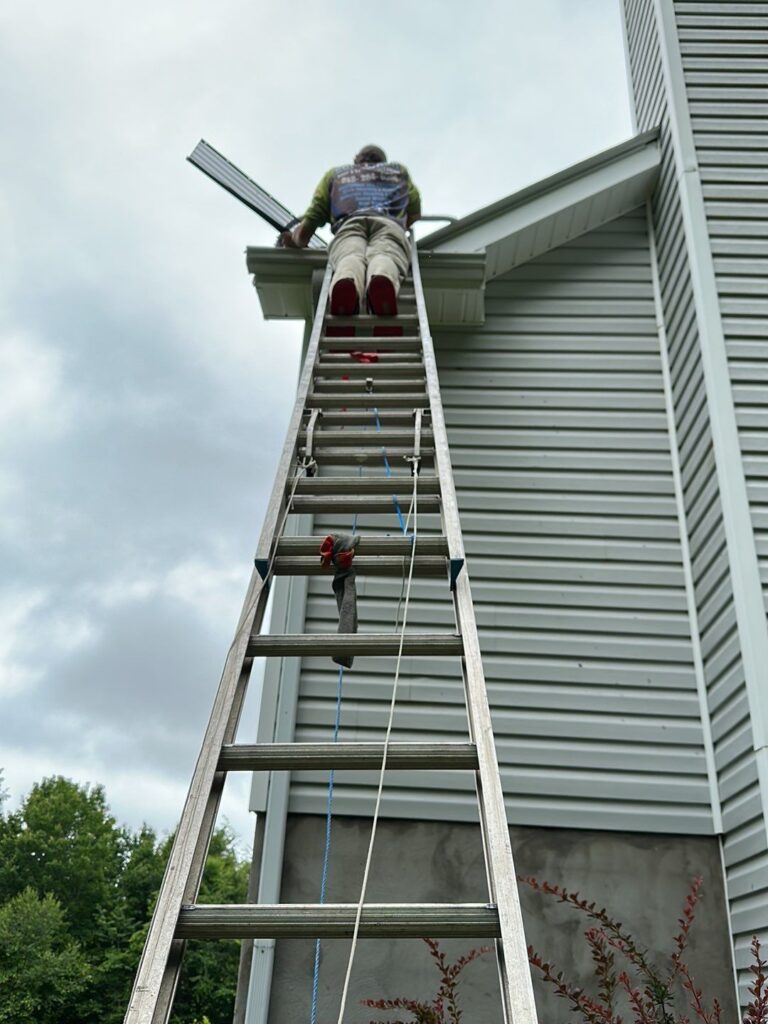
(539, 188)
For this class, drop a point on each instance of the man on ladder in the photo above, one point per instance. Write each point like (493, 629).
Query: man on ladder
(370, 204)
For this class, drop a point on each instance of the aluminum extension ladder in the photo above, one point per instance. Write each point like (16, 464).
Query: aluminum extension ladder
(405, 380)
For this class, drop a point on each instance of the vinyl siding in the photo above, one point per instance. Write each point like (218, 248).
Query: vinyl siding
(723, 48)
(556, 420)
(714, 113)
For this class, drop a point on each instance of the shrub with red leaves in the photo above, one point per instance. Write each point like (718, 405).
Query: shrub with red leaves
(444, 1008)
(649, 992)
(757, 1010)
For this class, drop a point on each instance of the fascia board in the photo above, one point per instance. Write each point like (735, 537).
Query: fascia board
(453, 283)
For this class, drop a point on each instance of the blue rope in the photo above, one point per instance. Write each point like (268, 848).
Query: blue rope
(328, 821)
(388, 470)
(336, 727)
(327, 851)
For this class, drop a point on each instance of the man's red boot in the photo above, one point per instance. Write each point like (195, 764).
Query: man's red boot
(382, 297)
(344, 300)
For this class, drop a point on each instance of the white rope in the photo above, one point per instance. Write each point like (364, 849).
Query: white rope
(404, 578)
(358, 915)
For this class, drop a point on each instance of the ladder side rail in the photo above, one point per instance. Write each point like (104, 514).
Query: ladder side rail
(160, 958)
(451, 522)
(167, 992)
(278, 498)
(517, 988)
(516, 984)
(160, 961)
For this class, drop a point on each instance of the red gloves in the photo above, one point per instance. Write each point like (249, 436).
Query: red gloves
(337, 551)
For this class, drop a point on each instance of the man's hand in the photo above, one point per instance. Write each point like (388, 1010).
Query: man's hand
(298, 238)
(287, 241)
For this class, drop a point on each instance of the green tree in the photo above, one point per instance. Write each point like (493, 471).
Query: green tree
(64, 841)
(43, 972)
(209, 975)
(125, 922)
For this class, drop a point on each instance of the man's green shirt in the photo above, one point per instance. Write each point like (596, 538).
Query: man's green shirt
(319, 209)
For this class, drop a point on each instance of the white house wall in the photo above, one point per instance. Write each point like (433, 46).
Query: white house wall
(724, 90)
(556, 418)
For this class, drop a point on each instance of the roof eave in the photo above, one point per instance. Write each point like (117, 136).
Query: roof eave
(461, 235)
(454, 283)
(459, 259)
(557, 210)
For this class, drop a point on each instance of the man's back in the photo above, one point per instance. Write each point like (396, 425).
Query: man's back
(370, 204)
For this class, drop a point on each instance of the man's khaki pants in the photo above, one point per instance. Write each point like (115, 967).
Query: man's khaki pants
(366, 247)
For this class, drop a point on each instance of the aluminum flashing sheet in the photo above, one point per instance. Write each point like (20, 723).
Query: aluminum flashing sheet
(233, 180)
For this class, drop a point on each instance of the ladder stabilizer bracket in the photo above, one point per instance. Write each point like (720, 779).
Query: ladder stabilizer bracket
(415, 459)
(455, 567)
(307, 460)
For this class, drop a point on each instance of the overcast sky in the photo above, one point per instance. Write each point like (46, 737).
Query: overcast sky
(143, 399)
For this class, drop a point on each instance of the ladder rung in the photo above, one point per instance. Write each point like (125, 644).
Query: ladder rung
(337, 921)
(312, 503)
(367, 418)
(336, 359)
(428, 484)
(412, 400)
(386, 436)
(370, 455)
(368, 320)
(391, 342)
(367, 545)
(275, 757)
(370, 565)
(365, 450)
(358, 386)
(358, 371)
(370, 645)
(405, 343)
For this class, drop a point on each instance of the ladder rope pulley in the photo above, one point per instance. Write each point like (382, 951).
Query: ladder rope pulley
(395, 361)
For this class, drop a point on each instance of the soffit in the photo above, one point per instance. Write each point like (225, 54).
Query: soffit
(555, 210)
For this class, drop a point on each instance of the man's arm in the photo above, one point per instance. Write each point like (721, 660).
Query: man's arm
(413, 210)
(413, 215)
(317, 214)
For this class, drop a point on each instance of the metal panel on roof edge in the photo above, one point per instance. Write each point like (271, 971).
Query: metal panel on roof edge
(554, 211)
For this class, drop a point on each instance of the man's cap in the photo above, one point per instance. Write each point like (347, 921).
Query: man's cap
(371, 155)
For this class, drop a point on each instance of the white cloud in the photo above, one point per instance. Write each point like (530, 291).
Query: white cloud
(211, 590)
(34, 402)
(214, 593)
(34, 632)
(17, 670)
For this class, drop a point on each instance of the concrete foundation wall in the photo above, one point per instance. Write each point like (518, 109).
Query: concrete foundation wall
(641, 879)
